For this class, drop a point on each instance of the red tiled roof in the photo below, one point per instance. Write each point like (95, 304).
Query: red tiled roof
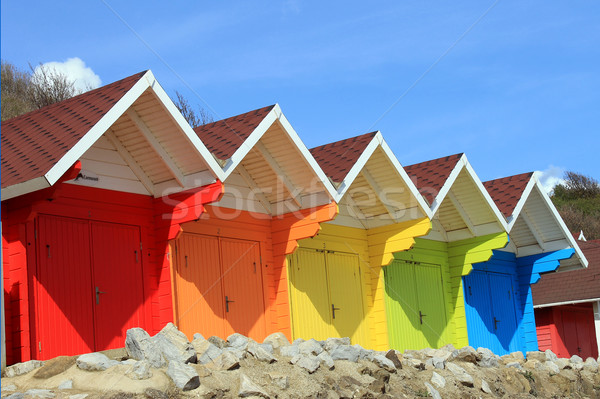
(574, 285)
(337, 158)
(507, 191)
(224, 137)
(34, 142)
(430, 176)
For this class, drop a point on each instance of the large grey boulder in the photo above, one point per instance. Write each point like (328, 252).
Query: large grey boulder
(326, 360)
(249, 388)
(237, 341)
(576, 359)
(183, 375)
(260, 353)
(206, 351)
(95, 362)
(346, 352)
(436, 362)
(217, 341)
(140, 346)
(460, 374)
(393, 356)
(550, 355)
(277, 340)
(310, 347)
(536, 355)
(562, 363)
(466, 354)
(384, 363)
(227, 361)
(174, 345)
(16, 395)
(308, 362)
(552, 367)
(331, 343)
(488, 358)
(140, 370)
(591, 365)
(289, 351)
(23, 368)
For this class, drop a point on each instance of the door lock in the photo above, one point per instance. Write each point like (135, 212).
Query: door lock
(421, 315)
(333, 309)
(227, 301)
(496, 321)
(98, 292)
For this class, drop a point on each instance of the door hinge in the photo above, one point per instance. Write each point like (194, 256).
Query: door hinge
(141, 246)
(35, 234)
(40, 346)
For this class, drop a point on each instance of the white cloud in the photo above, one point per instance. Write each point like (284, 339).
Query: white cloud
(551, 177)
(83, 77)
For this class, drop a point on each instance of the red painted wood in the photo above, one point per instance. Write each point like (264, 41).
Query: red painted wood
(117, 266)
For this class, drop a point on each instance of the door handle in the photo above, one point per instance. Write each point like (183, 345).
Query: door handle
(496, 321)
(333, 309)
(98, 292)
(421, 315)
(227, 301)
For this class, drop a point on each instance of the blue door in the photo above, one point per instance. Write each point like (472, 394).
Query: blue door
(490, 310)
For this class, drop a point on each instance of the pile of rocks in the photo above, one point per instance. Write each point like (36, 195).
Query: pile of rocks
(168, 366)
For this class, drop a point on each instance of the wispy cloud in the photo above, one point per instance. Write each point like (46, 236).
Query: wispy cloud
(82, 76)
(552, 176)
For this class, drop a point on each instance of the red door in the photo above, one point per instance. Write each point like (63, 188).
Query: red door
(90, 288)
(578, 332)
(65, 322)
(117, 289)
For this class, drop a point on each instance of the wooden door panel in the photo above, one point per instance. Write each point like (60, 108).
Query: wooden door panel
(198, 286)
(503, 309)
(345, 292)
(243, 288)
(311, 315)
(117, 282)
(432, 306)
(64, 294)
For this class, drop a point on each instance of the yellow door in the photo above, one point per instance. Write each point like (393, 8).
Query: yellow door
(343, 272)
(311, 315)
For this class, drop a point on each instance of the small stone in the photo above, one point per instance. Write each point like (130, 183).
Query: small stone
(277, 340)
(259, 353)
(550, 355)
(438, 380)
(310, 347)
(384, 363)
(95, 362)
(516, 365)
(416, 363)
(79, 396)
(591, 365)
(227, 361)
(67, 384)
(23, 368)
(393, 356)
(140, 346)
(16, 395)
(216, 341)
(140, 370)
(308, 362)
(437, 362)
(488, 358)
(346, 352)
(331, 343)
(206, 351)
(466, 354)
(237, 341)
(460, 374)
(129, 362)
(552, 368)
(280, 380)
(326, 360)
(152, 393)
(9, 388)
(249, 388)
(40, 393)
(432, 391)
(485, 387)
(183, 375)
(575, 359)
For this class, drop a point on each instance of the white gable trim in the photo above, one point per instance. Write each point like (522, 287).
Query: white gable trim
(512, 219)
(28, 186)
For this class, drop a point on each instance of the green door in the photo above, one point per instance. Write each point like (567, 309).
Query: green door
(415, 305)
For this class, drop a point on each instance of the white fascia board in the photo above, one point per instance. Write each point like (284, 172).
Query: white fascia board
(567, 234)
(28, 186)
(249, 143)
(404, 176)
(521, 203)
(164, 98)
(97, 130)
(439, 198)
(547, 305)
(358, 166)
(488, 199)
(310, 160)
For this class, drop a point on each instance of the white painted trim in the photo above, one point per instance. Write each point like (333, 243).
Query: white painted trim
(63, 164)
(547, 305)
(437, 202)
(357, 168)
(133, 165)
(28, 186)
(461, 212)
(162, 153)
(560, 221)
(210, 161)
(512, 219)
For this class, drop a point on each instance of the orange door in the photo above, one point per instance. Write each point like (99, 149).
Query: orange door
(218, 286)
(242, 287)
(198, 286)
(117, 282)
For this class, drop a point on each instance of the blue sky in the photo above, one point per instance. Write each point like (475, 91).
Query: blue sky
(520, 91)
